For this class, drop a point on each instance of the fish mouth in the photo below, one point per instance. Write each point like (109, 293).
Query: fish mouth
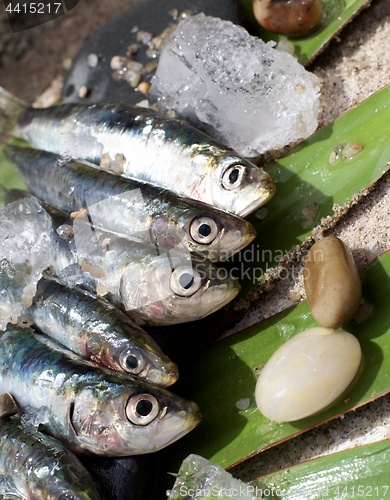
(219, 289)
(260, 188)
(233, 241)
(71, 417)
(177, 425)
(228, 290)
(164, 376)
(218, 296)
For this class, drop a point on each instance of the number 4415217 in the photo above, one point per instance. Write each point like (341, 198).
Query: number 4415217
(361, 491)
(34, 8)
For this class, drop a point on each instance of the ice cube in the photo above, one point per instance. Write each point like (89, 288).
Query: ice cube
(236, 87)
(199, 478)
(24, 255)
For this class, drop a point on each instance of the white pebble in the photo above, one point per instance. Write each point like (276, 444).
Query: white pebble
(118, 62)
(84, 91)
(93, 60)
(308, 373)
(132, 77)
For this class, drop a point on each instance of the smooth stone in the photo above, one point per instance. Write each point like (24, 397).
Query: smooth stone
(332, 282)
(307, 374)
(295, 18)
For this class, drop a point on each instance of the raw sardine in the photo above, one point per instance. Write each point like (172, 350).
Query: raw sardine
(153, 288)
(34, 465)
(89, 409)
(97, 331)
(141, 144)
(136, 210)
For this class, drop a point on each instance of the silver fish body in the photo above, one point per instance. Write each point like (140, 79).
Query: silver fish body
(143, 145)
(154, 288)
(87, 408)
(134, 209)
(34, 465)
(99, 332)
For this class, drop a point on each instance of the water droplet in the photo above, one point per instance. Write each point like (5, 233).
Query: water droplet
(243, 404)
(286, 329)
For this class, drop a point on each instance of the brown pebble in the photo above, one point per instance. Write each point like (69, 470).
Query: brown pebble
(144, 87)
(332, 282)
(289, 17)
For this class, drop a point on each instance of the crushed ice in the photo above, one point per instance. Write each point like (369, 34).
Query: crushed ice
(236, 87)
(199, 478)
(24, 255)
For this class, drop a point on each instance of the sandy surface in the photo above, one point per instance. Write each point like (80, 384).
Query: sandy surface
(353, 66)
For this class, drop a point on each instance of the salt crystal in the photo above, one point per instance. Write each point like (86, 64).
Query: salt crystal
(236, 87)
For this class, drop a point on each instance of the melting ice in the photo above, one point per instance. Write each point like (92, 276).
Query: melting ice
(24, 254)
(239, 89)
(198, 479)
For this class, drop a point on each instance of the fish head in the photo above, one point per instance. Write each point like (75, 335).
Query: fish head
(217, 235)
(119, 417)
(203, 230)
(176, 288)
(239, 186)
(142, 357)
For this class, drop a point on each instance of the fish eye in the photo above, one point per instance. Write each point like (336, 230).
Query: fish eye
(233, 176)
(131, 361)
(203, 230)
(185, 281)
(142, 409)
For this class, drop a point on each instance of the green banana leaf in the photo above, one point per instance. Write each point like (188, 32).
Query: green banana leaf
(359, 472)
(339, 13)
(307, 183)
(9, 176)
(225, 374)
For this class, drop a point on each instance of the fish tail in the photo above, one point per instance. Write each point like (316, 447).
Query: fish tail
(10, 109)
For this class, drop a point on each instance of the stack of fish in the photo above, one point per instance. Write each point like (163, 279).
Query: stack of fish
(142, 207)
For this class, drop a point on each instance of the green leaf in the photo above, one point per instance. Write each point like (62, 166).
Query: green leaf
(339, 13)
(360, 472)
(225, 374)
(9, 176)
(307, 182)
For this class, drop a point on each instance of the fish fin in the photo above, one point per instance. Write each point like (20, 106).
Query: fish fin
(10, 109)
(8, 406)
